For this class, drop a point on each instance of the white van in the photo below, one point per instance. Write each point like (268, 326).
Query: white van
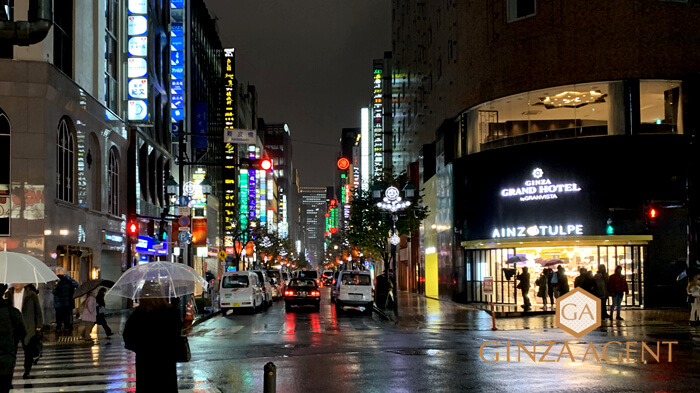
(241, 290)
(354, 288)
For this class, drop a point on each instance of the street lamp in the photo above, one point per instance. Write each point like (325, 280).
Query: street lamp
(392, 202)
(206, 186)
(171, 186)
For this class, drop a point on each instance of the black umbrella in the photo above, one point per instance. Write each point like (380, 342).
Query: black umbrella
(91, 285)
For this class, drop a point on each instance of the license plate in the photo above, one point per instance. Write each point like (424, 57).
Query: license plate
(236, 304)
(355, 297)
(302, 294)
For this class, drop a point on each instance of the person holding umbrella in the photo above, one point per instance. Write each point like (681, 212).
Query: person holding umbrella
(101, 320)
(153, 332)
(88, 316)
(24, 298)
(12, 331)
(63, 302)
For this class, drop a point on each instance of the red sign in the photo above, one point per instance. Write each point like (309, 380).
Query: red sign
(229, 250)
(488, 285)
(199, 231)
(343, 163)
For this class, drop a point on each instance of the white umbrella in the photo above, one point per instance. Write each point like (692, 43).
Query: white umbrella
(175, 279)
(22, 268)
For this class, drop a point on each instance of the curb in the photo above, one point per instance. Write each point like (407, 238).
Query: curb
(203, 319)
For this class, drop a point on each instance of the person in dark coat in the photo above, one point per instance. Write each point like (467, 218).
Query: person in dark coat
(562, 281)
(24, 298)
(12, 332)
(551, 287)
(542, 291)
(601, 286)
(152, 332)
(63, 303)
(524, 285)
(101, 320)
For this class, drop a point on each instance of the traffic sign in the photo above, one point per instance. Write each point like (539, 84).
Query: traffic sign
(184, 237)
(222, 255)
(185, 200)
(183, 221)
(184, 211)
(488, 285)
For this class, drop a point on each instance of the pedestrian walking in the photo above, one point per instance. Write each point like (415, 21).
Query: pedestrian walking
(554, 283)
(524, 286)
(101, 320)
(153, 333)
(551, 287)
(24, 298)
(578, 281)
(562, 281)
(12, 332)
(542, 291)
(88, 316)
(617, 288)
(694, 299)
(601, 284)
(63, 304)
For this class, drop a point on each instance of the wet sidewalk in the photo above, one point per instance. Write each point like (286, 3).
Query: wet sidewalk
(420, 312)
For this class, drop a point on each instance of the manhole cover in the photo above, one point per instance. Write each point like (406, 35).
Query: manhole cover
(416, 352)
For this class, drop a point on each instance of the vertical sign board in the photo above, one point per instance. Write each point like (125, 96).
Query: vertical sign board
(137, 61)
(488, 285)
(377, 130)
(177, 63)
(229, 171)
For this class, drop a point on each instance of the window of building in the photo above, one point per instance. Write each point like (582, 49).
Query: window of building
(4, 174)
(63, 37)
(519, 9)
(65, 161)
(660, 106)
(111, 53)
(113, 182)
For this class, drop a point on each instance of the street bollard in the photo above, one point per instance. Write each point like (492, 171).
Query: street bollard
(493, 318)
(270, 379)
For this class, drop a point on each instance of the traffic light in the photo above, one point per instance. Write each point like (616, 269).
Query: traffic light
(610, 230)
(162, 231)
(258, 164)
(132, 229)
(652, 213)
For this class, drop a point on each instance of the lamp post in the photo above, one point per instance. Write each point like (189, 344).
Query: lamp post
(393, 203)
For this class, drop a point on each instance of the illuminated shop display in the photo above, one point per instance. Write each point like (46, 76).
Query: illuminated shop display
(137, 61)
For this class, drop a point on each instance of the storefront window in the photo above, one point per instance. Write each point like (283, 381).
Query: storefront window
(660, 108)
(553, 113)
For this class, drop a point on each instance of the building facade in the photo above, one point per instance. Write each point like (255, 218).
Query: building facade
(549, 144)
(313, 209)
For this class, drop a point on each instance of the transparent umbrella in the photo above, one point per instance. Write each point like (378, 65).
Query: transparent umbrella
(23, 268)
(174, 279)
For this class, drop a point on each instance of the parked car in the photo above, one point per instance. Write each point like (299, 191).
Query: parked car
(279, 282)
(265, 286)
(241, 290)
(354, 289)
(302, 292)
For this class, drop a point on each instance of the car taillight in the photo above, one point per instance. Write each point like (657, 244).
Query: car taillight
(372, 293)
(315, 293)
(289, 293)
(334, 281)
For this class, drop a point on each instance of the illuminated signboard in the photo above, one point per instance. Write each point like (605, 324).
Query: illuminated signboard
(145, 245)
(364, 152)
(539, 188)
(137, 60)
(229, 96)
(538, 230)
(377, 107)
(177, 63)
(230, 174)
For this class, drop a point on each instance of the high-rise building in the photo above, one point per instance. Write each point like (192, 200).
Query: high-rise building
(313, 209)
(537, 133)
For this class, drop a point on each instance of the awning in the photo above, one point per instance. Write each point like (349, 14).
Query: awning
(556, 241)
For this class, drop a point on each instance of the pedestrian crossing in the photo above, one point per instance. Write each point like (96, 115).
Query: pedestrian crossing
(105, 367)
(224, 327)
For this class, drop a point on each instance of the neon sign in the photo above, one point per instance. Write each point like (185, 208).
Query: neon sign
(137, 61)
(539, 188)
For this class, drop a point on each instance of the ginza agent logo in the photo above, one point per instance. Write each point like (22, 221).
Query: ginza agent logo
(578, 312)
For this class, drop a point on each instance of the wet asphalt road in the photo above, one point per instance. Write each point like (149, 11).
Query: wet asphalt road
(326, 352)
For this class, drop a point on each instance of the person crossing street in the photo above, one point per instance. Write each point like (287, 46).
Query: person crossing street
(24, 298)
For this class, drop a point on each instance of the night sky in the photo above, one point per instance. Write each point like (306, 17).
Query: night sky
(311, 62)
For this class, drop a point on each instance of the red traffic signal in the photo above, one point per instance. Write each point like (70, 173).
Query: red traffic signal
(258, 164)
(266, 164)
(133, 228)
(652, 212)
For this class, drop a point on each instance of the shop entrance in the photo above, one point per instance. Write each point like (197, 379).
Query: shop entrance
(482, 263)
